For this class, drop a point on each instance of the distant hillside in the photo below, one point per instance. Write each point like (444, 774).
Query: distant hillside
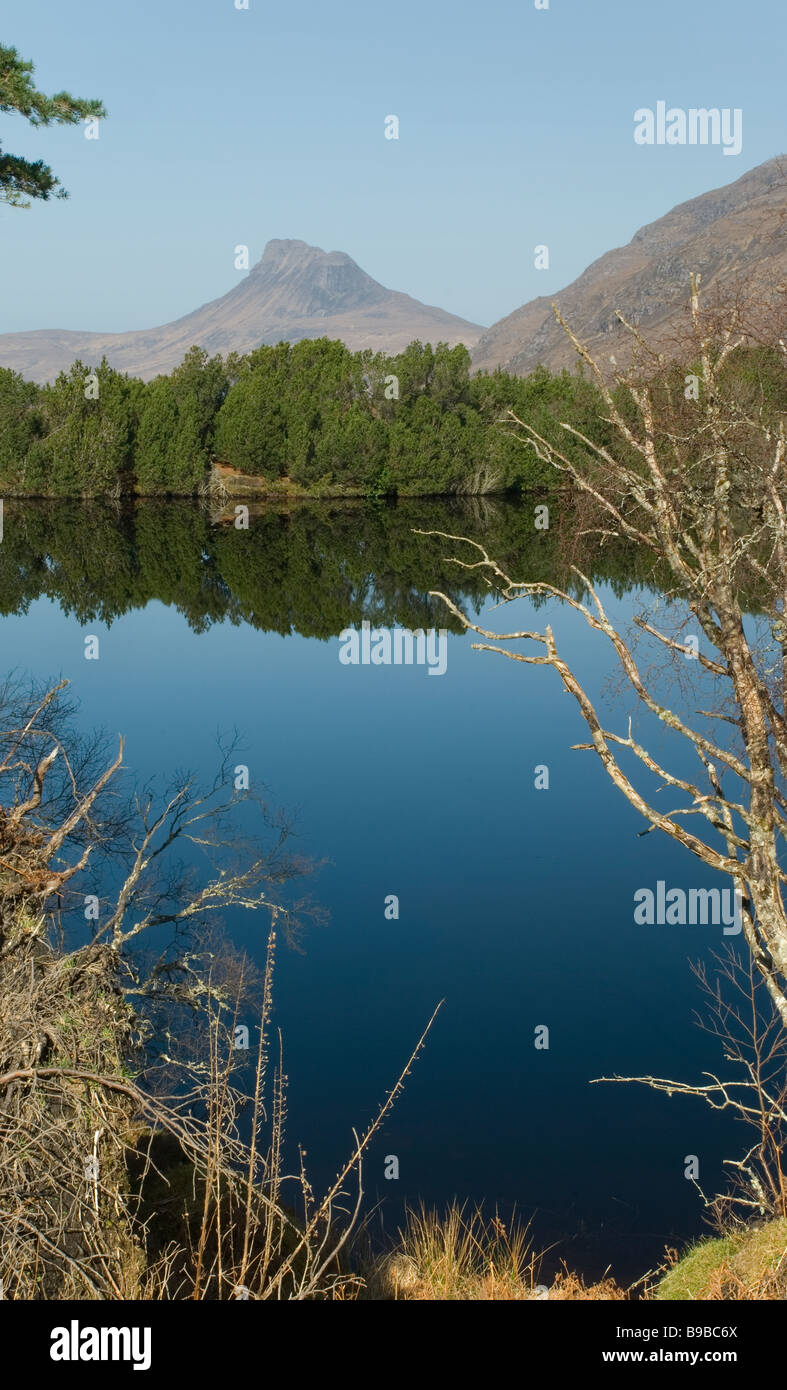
(296, 291)
(736, 233)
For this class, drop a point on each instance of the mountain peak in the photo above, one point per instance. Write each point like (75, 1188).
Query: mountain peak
(294, 291)
(316, 282)
(279, 250)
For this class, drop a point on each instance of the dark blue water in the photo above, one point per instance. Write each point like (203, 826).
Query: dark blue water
(516, 905)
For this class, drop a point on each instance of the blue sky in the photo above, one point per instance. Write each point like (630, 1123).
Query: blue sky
(233, 126)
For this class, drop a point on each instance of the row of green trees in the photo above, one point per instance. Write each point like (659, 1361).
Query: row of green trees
(310, 414)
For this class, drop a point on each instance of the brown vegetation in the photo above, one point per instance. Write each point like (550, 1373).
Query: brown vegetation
(125, 1167)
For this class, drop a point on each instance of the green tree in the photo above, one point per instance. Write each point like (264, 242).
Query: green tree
(543, 399)
(20, 424)
(22, 179)
(251, 427)
(90, 420)
(177, 422)
(349, 451)
(327, 411)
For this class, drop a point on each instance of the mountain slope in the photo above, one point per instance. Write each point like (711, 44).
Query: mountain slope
(295, 291)
(738, 232)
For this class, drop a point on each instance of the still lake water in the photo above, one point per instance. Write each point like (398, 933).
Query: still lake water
(516, 905)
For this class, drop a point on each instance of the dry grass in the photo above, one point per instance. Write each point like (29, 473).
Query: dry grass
(464, 1256)
(570, 1287)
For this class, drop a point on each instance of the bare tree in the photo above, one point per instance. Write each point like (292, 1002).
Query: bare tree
(752, 1088)
(688, 466)
(696, 478)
